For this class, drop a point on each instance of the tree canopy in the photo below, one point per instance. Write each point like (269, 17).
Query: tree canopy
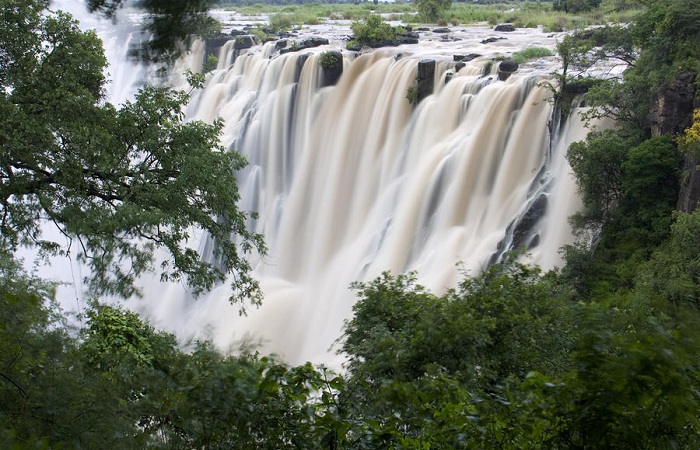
(119, 183)
(170, 23)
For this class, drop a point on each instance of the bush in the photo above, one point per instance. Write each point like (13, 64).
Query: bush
(531, 53)
(372, 31)
(329, 59)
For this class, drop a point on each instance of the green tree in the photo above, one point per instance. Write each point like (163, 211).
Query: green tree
(432, 9)
(372, 31)
(118, 183)
(576, 6)
(171, 23)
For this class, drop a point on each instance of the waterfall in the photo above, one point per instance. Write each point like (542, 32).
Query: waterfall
(352, 180)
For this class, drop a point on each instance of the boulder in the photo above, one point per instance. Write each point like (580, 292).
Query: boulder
(244, 41)
(506, 69)
(465, 58)
(312, 42)
(441, 30)
(505, 27)
(491, 40)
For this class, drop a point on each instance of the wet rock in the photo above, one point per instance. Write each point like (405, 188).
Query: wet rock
(465, 58)
(312, 42)
(331, 68)
(441, 30)
(492, 40)
(504, 27)
(425, 79)
(244, 41)
(506, 69)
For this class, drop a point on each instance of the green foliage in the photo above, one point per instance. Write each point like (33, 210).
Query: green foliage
(172, 23)
(372, 31)
(674, 270)
(505, 361)
(118, 183)
(329, 59)
(211, 63)
(412, 95)
(432, 9)
(597, 166)
(530, 53)
(576, 6)
(628, 193)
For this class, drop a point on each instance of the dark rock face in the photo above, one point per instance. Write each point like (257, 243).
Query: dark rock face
(425, 78)
(507, 27)
(672, 112)
(244, 41)
(213, 45)
(301, 60)
(529, 220)
(506, 69)
(441, 30)
(672, 106)
(459, 66)
(313, 42)
(465, 58)
(409, 38)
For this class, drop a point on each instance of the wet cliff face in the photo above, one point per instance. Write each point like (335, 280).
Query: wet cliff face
(671, 113)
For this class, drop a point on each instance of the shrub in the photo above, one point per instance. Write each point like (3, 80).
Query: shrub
(329, 59)
(372, 30)
(531, 53)
(412, 95)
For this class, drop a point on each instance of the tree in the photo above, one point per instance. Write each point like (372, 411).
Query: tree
(171, 23)
(576, 6)
(119, 183)
(372, 31)
(431, 9)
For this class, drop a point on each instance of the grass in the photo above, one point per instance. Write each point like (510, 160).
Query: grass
(531, 53)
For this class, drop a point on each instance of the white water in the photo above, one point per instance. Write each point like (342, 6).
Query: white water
(352, 180)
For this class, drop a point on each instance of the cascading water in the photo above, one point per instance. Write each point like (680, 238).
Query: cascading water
(352, 180)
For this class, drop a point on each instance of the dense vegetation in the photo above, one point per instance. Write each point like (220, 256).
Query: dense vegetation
(603, 354)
